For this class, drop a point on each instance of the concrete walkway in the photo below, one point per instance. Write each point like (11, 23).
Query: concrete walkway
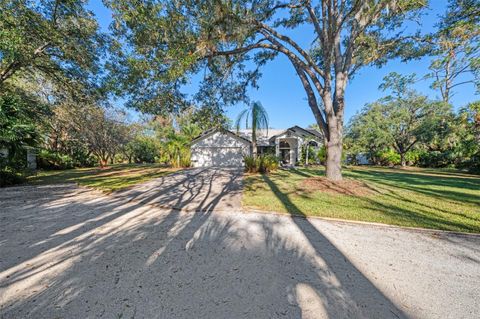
(68, 252)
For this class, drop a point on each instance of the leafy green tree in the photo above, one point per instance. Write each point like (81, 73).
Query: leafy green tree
(169, 41)
(143, 149)
(363, 134)
(468, 129)
(401, 120)
(56, 39)
(206, 118)
(256, 118)
(21, 117)
(457, 47)
(103, 132)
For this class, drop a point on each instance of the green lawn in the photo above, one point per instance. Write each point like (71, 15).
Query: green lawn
(107, 179)
(418, 198)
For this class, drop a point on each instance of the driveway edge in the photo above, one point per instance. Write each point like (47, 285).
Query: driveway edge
(431, 231)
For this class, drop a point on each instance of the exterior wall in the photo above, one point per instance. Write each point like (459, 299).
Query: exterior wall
(219, 149)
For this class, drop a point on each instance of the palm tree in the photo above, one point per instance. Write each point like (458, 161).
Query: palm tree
(259, 120)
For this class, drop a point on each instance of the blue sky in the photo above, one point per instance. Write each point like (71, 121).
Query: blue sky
(281, 93)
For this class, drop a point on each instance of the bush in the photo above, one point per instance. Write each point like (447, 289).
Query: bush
(143, 149)
(53, 160)
(412, 157)
(263, 164)
(250, 164)
(389, 157)
(8, 177)
(472, 165)
(322, 154)
(185, 160)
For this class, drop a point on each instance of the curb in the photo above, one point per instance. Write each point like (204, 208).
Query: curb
(431, 231)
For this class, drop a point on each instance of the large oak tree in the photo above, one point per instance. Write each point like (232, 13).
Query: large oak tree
(57, 40)
(162, 44)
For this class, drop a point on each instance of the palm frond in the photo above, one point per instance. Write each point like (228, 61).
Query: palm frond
(239, 119)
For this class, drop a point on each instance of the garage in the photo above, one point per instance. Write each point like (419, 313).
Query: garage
(219, 148)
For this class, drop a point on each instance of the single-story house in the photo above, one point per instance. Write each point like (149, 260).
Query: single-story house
(220, 147)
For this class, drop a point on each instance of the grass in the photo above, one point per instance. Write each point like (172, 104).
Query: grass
(416, 198)
(107, 179)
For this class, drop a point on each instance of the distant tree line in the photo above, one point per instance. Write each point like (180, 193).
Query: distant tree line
(407, 128)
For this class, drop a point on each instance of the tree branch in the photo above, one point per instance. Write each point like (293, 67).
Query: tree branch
(288, 40)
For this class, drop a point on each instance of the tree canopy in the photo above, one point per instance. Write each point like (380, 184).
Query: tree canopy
(57, 40)
(457, 48)
(170, 41)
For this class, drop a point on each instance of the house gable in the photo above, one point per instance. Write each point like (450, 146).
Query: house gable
(297, 131)
(220, 138)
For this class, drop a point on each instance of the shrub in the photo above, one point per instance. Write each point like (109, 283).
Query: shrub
(389, 157)
(322, 154)
(53, 160)
(8, 177)
(472, 165)
(185, 160)
(250, 164)
(412, 157)
(263, 164)
(143, 149)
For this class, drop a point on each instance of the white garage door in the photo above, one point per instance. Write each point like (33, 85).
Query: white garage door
(217, 156)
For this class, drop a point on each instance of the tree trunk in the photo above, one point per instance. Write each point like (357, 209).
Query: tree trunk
(334, 160)
(103, 162)
(334, 142)
(403, 160)
(254, 139)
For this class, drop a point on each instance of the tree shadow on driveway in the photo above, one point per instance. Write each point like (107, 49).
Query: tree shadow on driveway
(194, 186)
(127, 259)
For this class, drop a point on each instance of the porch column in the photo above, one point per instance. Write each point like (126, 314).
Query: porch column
(293, 152)
(277, 147)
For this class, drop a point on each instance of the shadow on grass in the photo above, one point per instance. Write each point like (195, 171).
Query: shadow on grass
(390, 203)
(424, 184)
(108, 178)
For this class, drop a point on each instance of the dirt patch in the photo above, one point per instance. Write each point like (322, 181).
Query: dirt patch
(345, 187)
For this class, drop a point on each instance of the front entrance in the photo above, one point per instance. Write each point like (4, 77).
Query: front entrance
(284, 148)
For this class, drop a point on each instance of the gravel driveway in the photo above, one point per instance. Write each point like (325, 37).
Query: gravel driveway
(69, 252)
(195, 189)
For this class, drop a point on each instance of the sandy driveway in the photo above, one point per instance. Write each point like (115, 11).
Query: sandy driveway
(195, 189)
(67, 252)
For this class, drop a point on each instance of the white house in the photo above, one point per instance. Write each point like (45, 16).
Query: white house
(219, 147)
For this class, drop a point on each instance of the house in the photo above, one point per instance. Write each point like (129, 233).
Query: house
(224, 148)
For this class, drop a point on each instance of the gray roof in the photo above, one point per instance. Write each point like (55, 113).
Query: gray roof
(264, 137)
